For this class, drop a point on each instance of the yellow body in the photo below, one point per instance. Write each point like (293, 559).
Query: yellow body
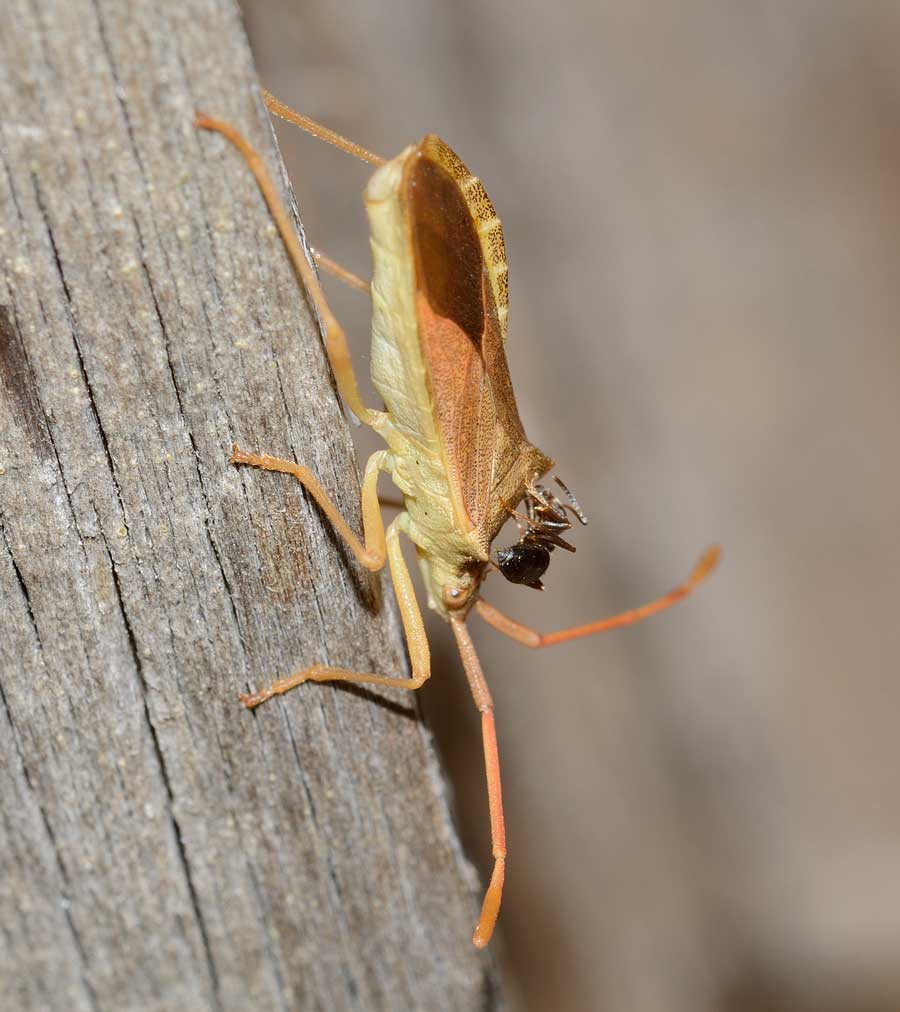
(452, 551)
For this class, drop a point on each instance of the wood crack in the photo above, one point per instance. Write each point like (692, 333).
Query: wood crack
(167, 784)
(76, 345)
(190, 434)
(54, 849)
(337, 899)
(23, 586)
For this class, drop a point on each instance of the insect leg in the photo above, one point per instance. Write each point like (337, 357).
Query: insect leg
(333, 268)
(490, 907)
(419, 654)
(531, 638)
(322, 133)
(371, 552)
(335, 339)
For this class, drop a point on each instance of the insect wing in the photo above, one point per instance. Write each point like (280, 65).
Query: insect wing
(460, 332)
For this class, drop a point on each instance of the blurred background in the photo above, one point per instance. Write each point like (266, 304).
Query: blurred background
(702, 209)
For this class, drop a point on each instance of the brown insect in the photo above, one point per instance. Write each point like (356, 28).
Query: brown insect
(456, 447)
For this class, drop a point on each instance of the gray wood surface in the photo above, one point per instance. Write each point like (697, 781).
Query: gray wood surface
(161, 848)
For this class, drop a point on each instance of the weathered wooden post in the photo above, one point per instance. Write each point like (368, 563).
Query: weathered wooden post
(161, 848)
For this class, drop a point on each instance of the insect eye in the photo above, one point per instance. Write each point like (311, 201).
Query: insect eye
(524, 563)
(455, 597)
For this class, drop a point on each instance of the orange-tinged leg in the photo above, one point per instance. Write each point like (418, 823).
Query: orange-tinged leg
(419, 654)
(490, 907)
(335, 339)
(285, 112)
(340, 272)
(532, 638)
(371, 553)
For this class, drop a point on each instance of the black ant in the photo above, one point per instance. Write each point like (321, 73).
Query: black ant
(545, 520)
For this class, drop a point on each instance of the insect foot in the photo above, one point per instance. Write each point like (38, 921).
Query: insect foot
(238, 456)
(314, 674)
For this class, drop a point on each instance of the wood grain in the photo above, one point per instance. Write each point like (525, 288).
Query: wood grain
(161, 848)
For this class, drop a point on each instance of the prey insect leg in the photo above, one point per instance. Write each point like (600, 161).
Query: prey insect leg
(417, 642)
(490, 907)
(335, 339)
(531, 638)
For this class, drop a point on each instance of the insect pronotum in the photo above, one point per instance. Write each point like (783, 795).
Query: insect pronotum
(456, 448)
